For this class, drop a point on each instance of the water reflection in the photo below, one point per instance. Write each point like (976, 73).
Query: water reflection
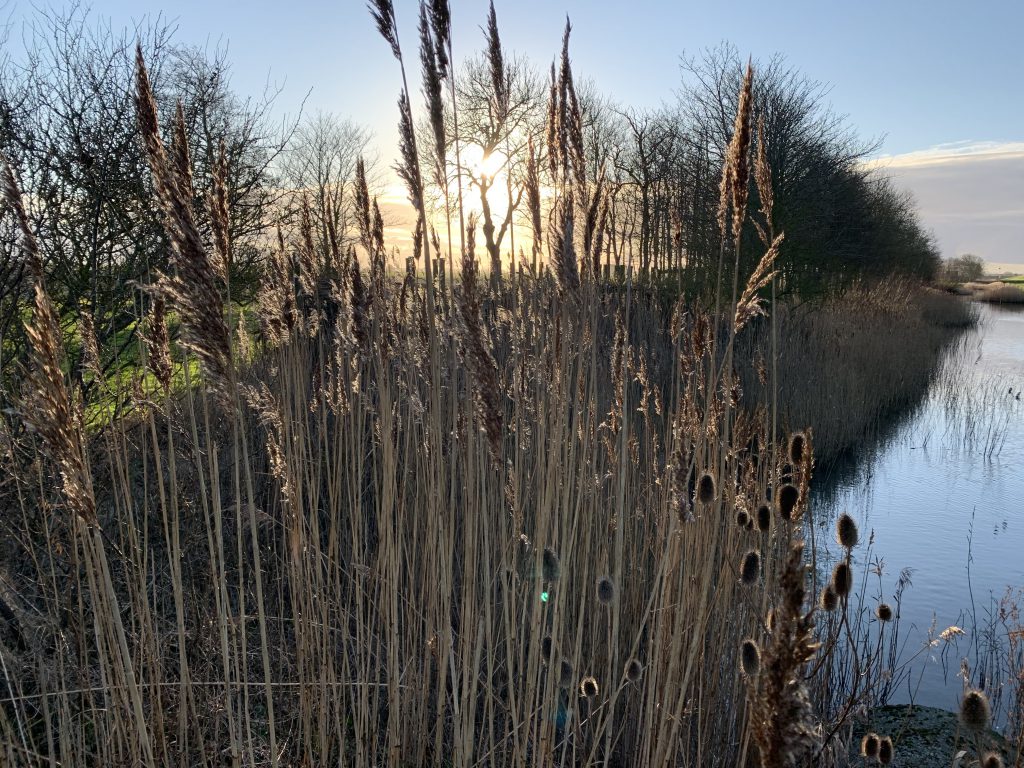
(942, 492)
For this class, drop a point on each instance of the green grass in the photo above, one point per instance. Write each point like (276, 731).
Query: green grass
(1019, 279)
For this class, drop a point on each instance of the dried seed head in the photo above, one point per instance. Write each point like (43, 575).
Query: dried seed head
(846, 531)
(885, 751)
(788, 497)
(551, 567)
(750, 571)
(992, 760)
(634, 670)
(884, 612)
(605, 590)
(742, 518)
(974, 711)
(829, 599)
(588, 687)
(869, 745)
(750, 658)
(545, 648)
(565, 674)
(764, 518)
(842, 579)
(797, 443)
(706, 488)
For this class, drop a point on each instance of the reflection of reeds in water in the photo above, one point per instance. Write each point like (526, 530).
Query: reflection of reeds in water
(978, 408)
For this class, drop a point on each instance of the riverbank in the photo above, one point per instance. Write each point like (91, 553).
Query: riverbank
(927, 737)
(850, 366)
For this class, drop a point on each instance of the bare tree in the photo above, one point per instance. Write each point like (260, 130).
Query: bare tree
(68, 124)
(320, 164)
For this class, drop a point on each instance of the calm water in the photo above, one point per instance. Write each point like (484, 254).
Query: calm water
(943, 496)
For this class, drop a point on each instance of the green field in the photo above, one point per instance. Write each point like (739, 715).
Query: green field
(1018, 279)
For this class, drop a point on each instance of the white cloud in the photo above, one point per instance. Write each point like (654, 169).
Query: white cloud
(956, 152)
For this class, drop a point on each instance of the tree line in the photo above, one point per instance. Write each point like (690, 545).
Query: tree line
(68, 127)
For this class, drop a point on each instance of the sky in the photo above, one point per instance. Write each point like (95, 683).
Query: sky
(936, 83)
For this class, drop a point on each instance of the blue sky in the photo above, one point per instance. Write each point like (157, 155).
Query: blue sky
(917, 75)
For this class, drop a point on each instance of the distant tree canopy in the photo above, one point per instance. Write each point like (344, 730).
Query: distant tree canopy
(963, 268)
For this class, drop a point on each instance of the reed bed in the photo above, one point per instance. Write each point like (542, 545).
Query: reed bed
(535, 520)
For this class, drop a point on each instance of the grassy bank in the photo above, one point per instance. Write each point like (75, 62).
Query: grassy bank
(999, 292)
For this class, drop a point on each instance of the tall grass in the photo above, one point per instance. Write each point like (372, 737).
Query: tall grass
(492, 523)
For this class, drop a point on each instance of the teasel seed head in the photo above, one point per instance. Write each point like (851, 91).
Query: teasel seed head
(565, 674)
(605, 590)
(992, 760)
(750, 658)
(551, 566)
(842, 579)
(588, 687)
(885, 751)
(846, 531)
(634, 670)
(750, 571)
(789, 495)
(706, 490)
(975, 712)
(742, 518)
(764, 518)
(869, 745)
(545, 648)
(797, 444)
(829, 600)
(884, 612)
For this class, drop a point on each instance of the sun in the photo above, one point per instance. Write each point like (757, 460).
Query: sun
(483, 166)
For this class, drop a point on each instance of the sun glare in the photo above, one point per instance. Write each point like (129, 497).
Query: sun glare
(483, 166)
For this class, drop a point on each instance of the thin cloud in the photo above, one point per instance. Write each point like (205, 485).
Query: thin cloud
(956, 152)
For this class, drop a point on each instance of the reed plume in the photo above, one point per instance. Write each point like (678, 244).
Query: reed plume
(749, 304)
(496, 62)
(563, 248)
(158, 343)
(194, 286)
(220, 215)
(782, 717)
(441, 25)
(383, 13)
(486, 386)
(431, 75)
